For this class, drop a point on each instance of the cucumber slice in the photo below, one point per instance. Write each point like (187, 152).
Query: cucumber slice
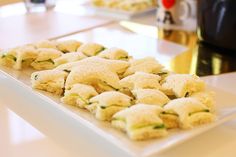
(9, 57)
(65, 51)
(68, 71)
(74, 95)
(187, 94)
(49, 60)
(85, 101)
(205, 110)
(119, 119)
(162, 73)
(107, 86)
(79, 97)
(90, 103)
(171, 113)
(112, 105)
(3, 55)
(154, 126)
(162, 126)
(36, 77)
(103, 107)
(102, 49)
(125, 57)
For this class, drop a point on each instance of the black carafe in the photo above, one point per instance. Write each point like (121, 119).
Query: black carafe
(217, 23)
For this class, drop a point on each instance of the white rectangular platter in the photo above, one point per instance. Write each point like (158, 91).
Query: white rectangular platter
(20, 80)
(120, 14)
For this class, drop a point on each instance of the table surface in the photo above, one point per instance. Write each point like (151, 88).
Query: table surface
(23, 136)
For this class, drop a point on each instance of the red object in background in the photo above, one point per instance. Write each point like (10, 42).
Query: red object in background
(168, 3)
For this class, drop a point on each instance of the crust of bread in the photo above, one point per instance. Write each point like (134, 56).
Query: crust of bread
(89, 74)
(183, 84)
(170, 121)
(68, 58)
(185, 108)
(139, 121)
(148, 65)
(150, 96)
(114, 53)
(116, 66)
(108, 103)
(52, 81)
(205, 97)
(90, 49)
(68, 46)
(111, 98)
(46, 44)
(79, 95)
(45, 58)
(141, 80)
